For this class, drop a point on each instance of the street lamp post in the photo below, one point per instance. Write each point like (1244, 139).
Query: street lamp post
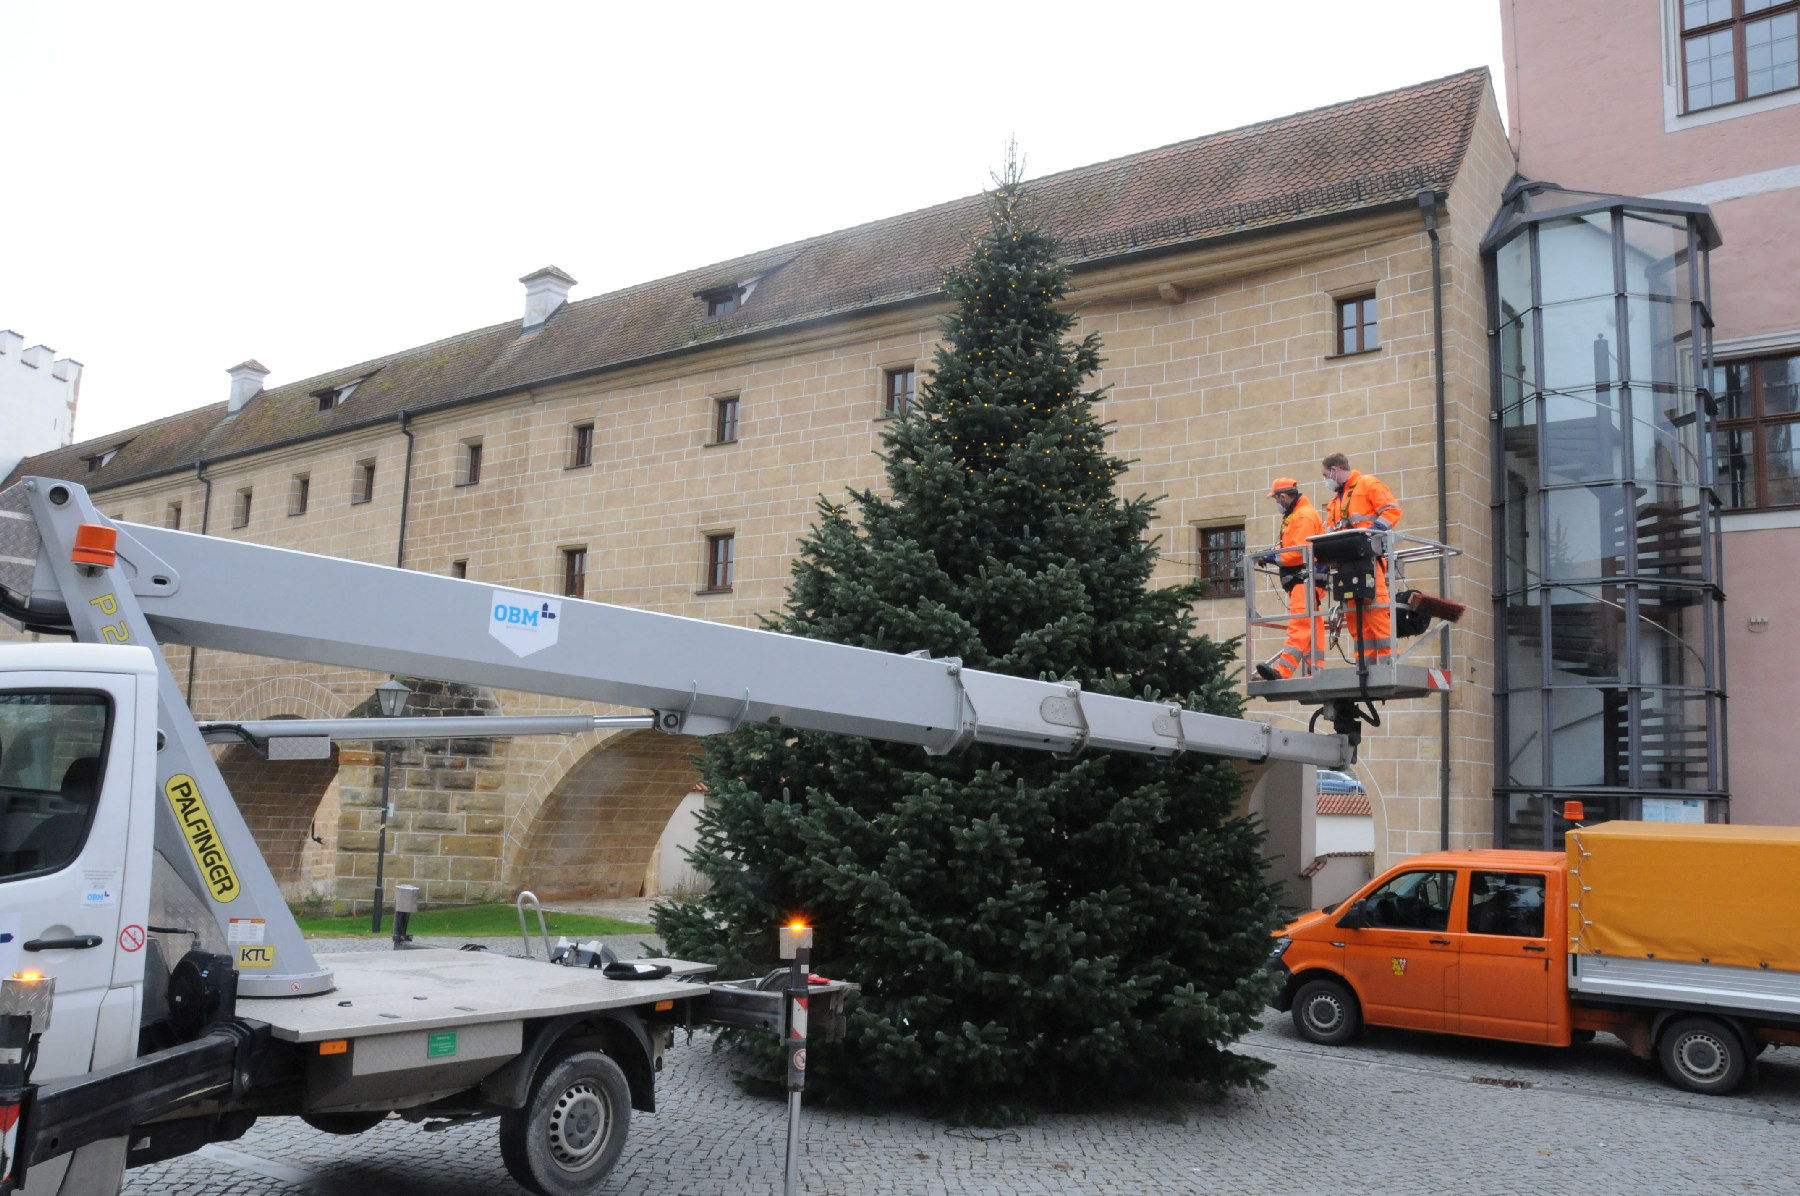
(392, 695)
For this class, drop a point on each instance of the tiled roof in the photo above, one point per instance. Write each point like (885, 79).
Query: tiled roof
(1345, 803)
(1349, 157)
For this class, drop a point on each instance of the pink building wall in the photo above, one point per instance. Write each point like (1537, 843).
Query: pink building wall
(1594, 104)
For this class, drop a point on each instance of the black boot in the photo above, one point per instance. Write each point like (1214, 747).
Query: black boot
(1265, 673)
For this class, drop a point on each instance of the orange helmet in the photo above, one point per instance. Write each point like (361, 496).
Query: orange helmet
(1280, 484)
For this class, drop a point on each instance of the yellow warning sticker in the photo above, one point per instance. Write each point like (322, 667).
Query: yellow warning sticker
(255, 955)
(202, 839)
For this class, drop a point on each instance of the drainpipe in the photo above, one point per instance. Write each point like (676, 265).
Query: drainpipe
(405, 491)
(205, 519)
(1428, 208)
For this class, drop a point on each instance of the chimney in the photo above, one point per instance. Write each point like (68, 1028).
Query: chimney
(39, 356)
(545, 291)
(246, 383)
(10, 342)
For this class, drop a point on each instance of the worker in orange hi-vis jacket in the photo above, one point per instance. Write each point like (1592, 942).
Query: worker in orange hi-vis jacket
(1306, 637)
(1363, 501)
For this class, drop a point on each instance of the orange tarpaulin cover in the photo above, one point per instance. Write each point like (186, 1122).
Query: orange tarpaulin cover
(1691, 893)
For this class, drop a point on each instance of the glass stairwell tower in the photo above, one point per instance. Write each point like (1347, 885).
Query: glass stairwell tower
(1610, 677)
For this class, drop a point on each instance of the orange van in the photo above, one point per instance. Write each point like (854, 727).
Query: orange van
(1480, 943)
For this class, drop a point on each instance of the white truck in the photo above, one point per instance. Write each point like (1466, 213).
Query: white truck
(110, 1057)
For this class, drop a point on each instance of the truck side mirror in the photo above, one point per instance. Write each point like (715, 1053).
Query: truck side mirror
(1355, 918)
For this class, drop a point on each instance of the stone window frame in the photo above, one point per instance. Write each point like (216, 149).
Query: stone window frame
(468, 461)
(581, 445)
(888, 373)
(574, 570)
(459, 568)
(241, 506)
(362, 482)
(727, 418)
(172, 516)
(299, 493)
(1213, 562)
(717, 573)
(1355, 296)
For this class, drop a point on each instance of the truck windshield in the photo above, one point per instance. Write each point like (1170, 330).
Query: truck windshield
(1412, 901)
(51, 745)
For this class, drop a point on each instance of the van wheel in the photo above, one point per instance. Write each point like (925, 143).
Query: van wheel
(1703, 1055)
(1326, 1012)
(572, 1129)
(1580, 1037)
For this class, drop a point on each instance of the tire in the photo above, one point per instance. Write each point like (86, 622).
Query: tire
(1702, 1055)
(1580, 1037)
(343, 1123)
(572, 1129)
(1326, 1012)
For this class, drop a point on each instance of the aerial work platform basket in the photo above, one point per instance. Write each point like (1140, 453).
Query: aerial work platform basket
(1342, 563)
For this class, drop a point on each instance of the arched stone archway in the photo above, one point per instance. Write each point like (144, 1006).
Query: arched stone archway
(281, 803)
(596, 832)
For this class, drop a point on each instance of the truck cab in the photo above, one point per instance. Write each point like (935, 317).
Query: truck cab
(1465, 942)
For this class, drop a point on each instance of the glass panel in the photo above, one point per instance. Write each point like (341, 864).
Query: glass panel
(1711, 70)
(1521, 514)
(1781, 386)
(1512, 265)
(1781, 459)
(1656, 257)
(1412, 901)
(1696, 13)
(50, 749)
(1772, 54)
(1524, 813)
(1663, 454)
(1507, 903)
(1525, 733)
(1589, 744)
(1756, 6)
(1586, 532)
(1587, 635)
(1517, 360)
(1524, 641)
(1672, 636)
(1582, 440)
(1668, 531)
(1731, 387)
(1581, 345)
(1672, 739)
(1658, 327)
(1734, 468)
(1575, 256)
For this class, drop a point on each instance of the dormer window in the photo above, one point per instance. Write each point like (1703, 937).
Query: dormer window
(97, 460)
(722, 302)
(333, 397)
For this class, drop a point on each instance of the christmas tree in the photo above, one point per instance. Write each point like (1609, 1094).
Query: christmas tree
(1026, 930)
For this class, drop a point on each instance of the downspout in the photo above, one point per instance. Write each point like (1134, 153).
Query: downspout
(405, 491)
(1428, 208)
(205, 519)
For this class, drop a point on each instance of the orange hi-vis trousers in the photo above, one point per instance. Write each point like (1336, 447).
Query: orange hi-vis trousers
(1305, 643)
(1375, 639)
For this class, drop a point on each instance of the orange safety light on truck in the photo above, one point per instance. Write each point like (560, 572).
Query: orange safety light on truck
(1683, 941)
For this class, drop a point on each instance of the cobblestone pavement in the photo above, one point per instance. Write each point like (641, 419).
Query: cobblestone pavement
(1397, 1112)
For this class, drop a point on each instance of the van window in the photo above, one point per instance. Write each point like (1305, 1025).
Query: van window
(1508, 903)
(1412, 901)
(51, 748)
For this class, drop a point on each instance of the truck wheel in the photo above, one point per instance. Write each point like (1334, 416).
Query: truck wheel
(1703, 1055)
(343, 1123)
(572, 1129)
(1325, 1012)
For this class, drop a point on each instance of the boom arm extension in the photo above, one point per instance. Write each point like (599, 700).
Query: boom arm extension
(698, 678)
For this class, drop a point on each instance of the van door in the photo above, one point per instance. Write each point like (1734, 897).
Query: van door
(1403, 964)
(66, 764)
(1509, 969)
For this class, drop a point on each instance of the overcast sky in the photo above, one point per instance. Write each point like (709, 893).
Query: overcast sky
(188, 185)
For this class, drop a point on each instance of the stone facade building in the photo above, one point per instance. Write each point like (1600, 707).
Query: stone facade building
(664, 446)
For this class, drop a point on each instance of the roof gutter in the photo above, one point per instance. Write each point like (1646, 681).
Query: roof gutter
(1134, 255)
